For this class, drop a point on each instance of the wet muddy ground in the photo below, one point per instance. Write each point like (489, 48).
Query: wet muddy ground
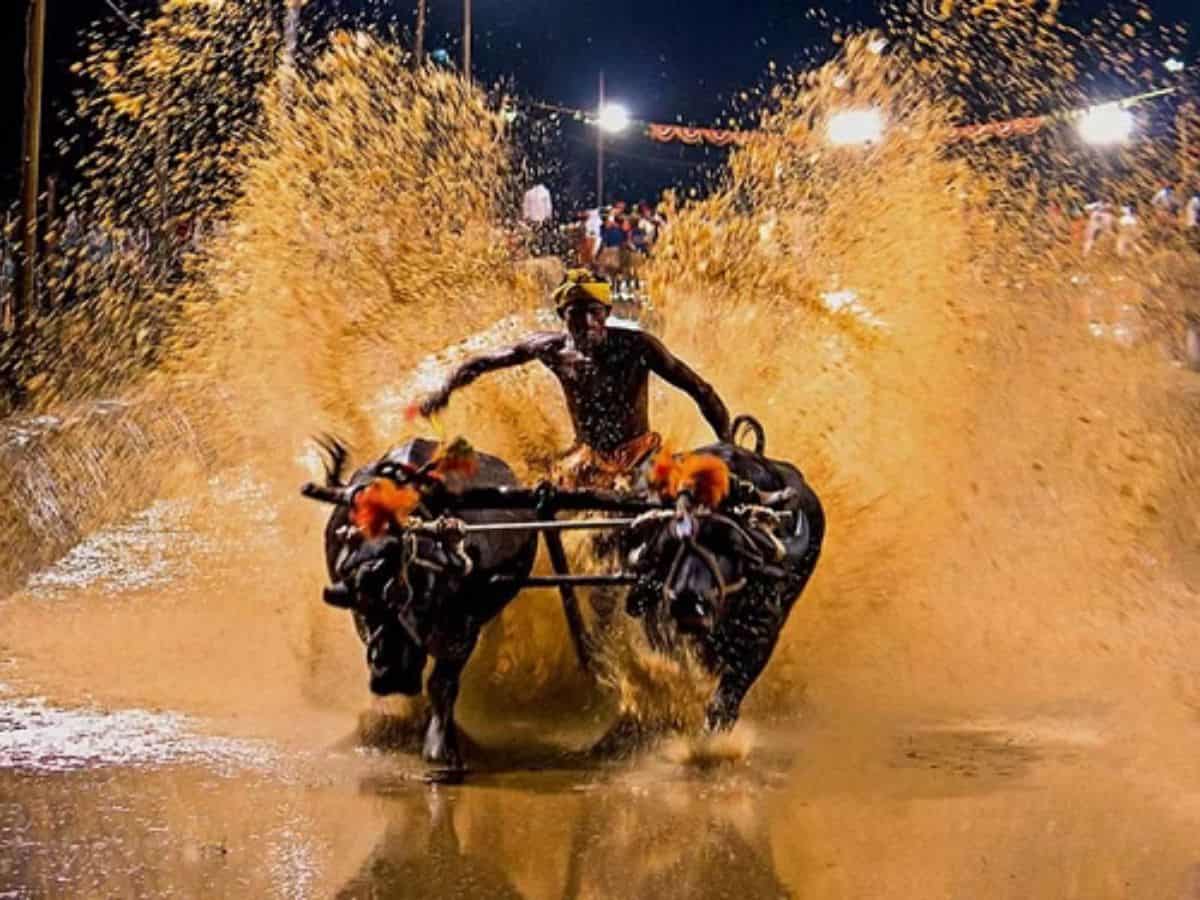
(1046, 808)
(167, 728)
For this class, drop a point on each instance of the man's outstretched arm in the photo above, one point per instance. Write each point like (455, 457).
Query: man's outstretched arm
(517, 355)
(677, 373)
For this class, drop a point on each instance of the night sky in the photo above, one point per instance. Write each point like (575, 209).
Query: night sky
(667, 60)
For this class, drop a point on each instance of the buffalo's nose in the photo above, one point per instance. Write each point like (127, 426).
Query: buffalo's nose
(394, 667)
(692, 611)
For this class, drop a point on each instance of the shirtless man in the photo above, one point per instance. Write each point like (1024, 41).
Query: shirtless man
(604, 373)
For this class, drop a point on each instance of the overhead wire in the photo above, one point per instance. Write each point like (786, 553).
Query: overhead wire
(124, 16)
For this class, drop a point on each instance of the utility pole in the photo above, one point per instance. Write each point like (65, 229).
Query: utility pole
(600, 149)
(467, 39)
(35, 39)
(419, 44)
(291, 39)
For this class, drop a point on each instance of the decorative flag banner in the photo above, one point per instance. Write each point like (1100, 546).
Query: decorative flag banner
(1013, 128)
(986, 131)
(1004, 130)
(717, 137)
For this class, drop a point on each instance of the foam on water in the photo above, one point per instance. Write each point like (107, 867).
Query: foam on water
(37, 736)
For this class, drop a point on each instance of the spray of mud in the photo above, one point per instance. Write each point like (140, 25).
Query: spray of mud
(995, 477)
(1006, 495)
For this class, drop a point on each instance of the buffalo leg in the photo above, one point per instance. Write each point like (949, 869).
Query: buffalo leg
(744, 646)
(441, 738)
(744, 643)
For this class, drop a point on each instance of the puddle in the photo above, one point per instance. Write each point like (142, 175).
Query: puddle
(35, 736)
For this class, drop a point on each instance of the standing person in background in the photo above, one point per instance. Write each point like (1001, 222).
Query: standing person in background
(612, 239)
(639, 239)
(1165, 205)
(593, 225)
(628, 227)
(1191, 219)
(537, 210)
(1101, 220)
(648, 223)
(537, 207)
(1127, 230)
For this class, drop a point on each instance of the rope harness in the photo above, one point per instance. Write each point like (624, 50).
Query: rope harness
(756, 529)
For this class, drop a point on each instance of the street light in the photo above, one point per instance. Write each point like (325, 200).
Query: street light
(855, 127)
(1174, 66)
(1106, 125)
(612, 118)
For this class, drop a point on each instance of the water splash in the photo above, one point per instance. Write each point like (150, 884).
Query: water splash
(998, 482)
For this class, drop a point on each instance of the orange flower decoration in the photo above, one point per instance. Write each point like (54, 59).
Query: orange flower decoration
(381, 503)
(703, 476)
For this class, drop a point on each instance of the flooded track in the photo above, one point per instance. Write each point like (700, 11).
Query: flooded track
(989, 690)
(1054, 807)
(168, 735)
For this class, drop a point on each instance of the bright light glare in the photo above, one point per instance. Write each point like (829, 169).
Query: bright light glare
(1174, 66)
(613, 118)
(1106, 125)
(855, 127)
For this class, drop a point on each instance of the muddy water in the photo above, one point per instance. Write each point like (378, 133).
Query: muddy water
(195, 731)
(1051, 807)
(989, 690)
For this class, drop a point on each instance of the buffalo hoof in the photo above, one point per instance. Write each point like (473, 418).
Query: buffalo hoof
(441, 749)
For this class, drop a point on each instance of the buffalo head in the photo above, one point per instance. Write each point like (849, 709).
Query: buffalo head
(690, 561)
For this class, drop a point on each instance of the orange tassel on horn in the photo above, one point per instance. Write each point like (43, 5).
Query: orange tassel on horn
(456, 458)
(660, 477)
(705, 477)
(381, 503)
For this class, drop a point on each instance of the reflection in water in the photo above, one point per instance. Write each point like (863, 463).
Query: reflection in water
(1004, 810)
(174, 832)
(420, 855)
(618, 840)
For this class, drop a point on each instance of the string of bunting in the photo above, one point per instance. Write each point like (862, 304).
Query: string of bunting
(719, 137)
(694, 137)
(1031, 125)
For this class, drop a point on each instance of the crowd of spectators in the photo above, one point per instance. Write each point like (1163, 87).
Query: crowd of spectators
(98, 254)
(615, 240)
(1124, 229)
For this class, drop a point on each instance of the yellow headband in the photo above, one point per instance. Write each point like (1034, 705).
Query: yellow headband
(585, 282)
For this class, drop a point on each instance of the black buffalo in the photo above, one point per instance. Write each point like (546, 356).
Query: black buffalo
(727, 578)
(417, 591)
